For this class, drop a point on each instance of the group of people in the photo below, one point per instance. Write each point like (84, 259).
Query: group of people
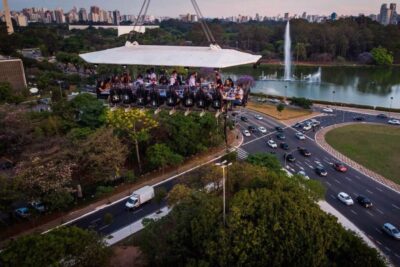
(193, 83)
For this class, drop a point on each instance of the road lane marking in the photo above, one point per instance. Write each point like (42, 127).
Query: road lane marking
(377, 188)
(358, 177)
(337, 181)
(136, 211)
(332, 196)
(381, 212)
(328, 183)
(353, 212)
(395, 206)
(379, 231)
(94, 221)
(397, 255)
(388, 249)
(370, 214)
(369, 191)
(104, 227)
(379, 243)
(348, 179)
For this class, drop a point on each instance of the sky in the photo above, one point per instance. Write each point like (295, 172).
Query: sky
(215, 8)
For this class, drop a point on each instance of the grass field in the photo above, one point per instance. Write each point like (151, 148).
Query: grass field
(376, 147)
(286, 114)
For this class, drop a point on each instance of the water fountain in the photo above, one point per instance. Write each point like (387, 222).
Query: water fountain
(314, 78)
(288, 54)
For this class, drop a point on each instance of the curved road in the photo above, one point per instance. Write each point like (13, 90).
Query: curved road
(386, 201)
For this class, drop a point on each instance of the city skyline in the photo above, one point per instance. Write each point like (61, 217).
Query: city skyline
(214, 8)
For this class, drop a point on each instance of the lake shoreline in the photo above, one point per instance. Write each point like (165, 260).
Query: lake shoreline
(321, 64)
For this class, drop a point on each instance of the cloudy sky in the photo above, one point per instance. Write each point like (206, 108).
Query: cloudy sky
(215, 8)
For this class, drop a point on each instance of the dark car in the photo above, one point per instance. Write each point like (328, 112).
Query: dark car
(252, 128)
(364, 201)
(279, 129)
(382, 116)
(304, 152)
(340, 167)
(284, 146)
(22, 212)
(243, 118)
(281, 136)
(289, 157)
(359, 118)
(298, 125)
(234, 114)
(321, 171)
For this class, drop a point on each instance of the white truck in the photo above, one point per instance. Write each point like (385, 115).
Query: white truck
(140, 197)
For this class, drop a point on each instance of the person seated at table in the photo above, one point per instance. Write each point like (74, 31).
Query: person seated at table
(238, 96)
(173, 80)
(139, 80)
(153, 76)
(163, 80)
(192, 81)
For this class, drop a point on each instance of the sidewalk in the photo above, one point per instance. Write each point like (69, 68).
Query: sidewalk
(361, 110)
(320, 139)
(190, 164)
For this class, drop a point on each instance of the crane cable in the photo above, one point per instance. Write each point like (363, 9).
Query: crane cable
(140, 19)
(206, 29)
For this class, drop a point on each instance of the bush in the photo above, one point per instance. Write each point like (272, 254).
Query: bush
(130, 177)
(301, 102)
(103, 190)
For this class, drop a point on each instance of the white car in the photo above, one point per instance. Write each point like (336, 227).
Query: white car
(258, 117)
(304, 175)
(307, 127)
(262, 129)
(300, 136)
(394, 122)
(345, 198)
(246, 133)
(271, 143)
(327, 110)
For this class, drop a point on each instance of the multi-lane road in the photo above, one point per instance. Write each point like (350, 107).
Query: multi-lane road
(386, 201)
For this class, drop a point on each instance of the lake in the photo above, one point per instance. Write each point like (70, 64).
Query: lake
(372, 86)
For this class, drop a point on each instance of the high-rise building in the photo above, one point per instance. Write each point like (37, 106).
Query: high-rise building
(83, 14)
(393, 14)
(10, 28)
(95, 10)
(286, 17)
(22, 20)
(12, 71)
(116, 16)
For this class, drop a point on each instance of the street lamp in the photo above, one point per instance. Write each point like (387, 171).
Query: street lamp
(333, 97)
(224, 164)
(390, 110)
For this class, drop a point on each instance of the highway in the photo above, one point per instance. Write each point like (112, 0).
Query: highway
(386, 201)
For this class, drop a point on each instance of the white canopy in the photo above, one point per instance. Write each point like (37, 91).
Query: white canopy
(185, 56)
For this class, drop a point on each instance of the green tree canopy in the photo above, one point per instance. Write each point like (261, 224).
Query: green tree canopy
(160, 155)
(382, 56)
(65, 246)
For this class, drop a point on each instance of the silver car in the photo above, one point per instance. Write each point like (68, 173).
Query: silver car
(391, 230)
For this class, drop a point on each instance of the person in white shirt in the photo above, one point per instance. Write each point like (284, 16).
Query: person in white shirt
(173, 78)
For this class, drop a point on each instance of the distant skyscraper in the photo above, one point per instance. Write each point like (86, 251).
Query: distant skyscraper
(59, 16)
(286, 17)
(116, 17)
(10, 28)
(83, 15)
(393, 14)
(22, 20)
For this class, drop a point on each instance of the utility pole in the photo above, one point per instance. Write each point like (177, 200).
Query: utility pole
(10, 28)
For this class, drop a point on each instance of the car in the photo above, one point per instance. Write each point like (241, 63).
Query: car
(303, 174)
(382, 116)
(280, 136)
(327, 110)
(340, 167)
(345, 198)
(279, 129)
(262, 129)
(271, 143)
(394, 122)
(258, 117)
(38, 206)
(304, 152)
(364, 201)
(391, 230)
(298, 125)
(234, 114)
(300, 136)
(22, 212)
(320, 170)
(307, 127)
(284, 146)
(252, 129)
(289, 157)
(243, 118)
(359, 118)
(315, 123)
(246, 133)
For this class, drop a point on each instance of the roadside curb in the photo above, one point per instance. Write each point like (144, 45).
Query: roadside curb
(320, 140)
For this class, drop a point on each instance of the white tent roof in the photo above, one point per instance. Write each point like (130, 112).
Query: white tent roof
(185, 56)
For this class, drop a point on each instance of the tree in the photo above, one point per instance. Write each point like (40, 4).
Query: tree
(9, 193)
(5, 92)
(64, 246)
(160, 194)
(280, 107)
(134, 123)
(382, 56)
(99, 157)
(267, 160)
(179, 193)
(160, 155)
(301, 51)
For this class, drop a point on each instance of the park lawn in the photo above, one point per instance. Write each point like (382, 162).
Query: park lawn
(376, 147)
(270, 110)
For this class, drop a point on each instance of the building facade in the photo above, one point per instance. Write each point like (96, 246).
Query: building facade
(12, 71)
